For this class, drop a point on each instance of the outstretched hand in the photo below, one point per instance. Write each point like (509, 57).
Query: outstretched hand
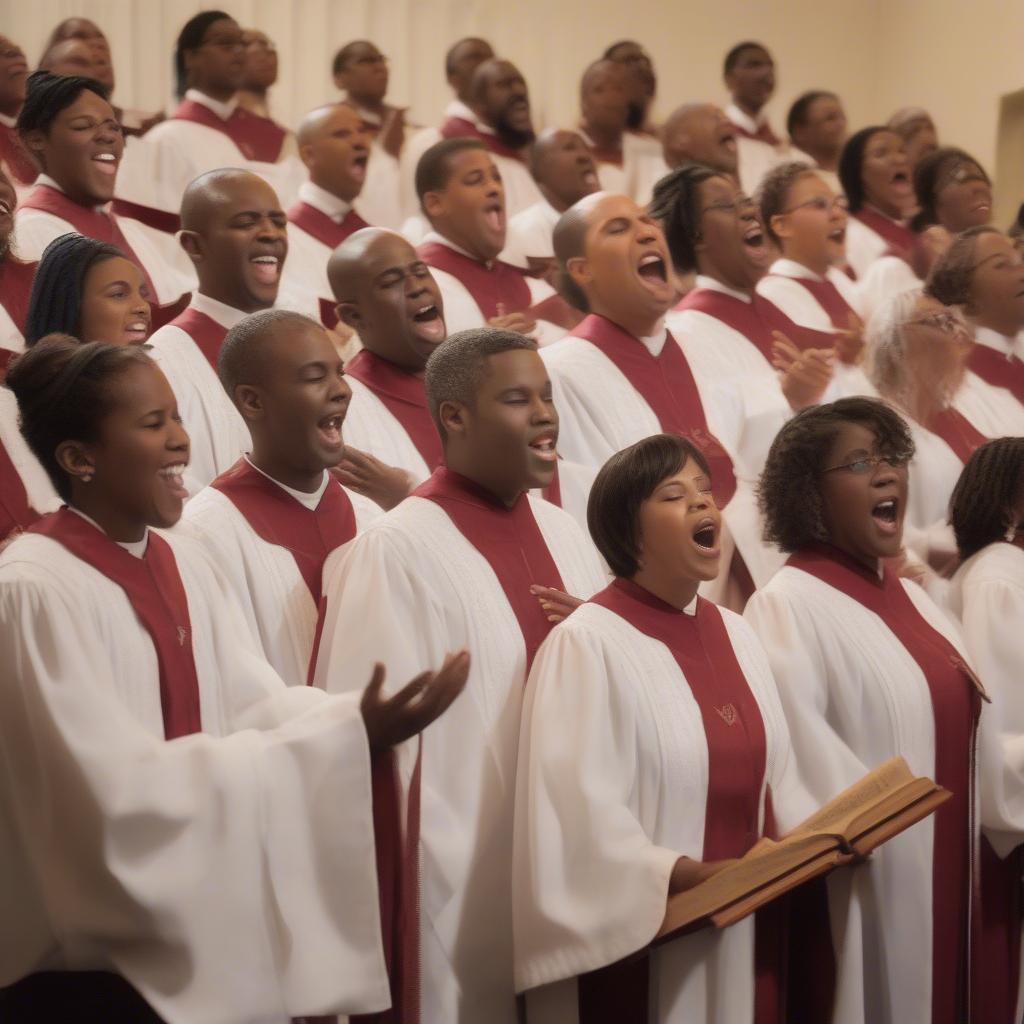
(556, 604)
(518, 323)
(366, 475)
(805, 374)
(392, 720)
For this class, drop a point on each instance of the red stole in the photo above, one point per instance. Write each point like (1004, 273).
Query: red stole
(489, 285)
(957, 431)
(153, 586)
(403, 395)
(16, 288)
(324, 229)
(764, 133)
(508, 538)
(830, 298)
(995, 368)
(92, 223)
(257, 138)
(956, 705)
(16, 513)
(20, 165)
(902, 241)
(162, 220)
(737, 755)
(459, 128)
(666, 384)
(204, 331)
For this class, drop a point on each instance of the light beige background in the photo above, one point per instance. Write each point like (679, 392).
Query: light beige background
(958, 59)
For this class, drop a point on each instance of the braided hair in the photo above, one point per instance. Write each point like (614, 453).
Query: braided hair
(56, 301)
(984, 503)
(47, 95)
(676, 204)
(191, 38)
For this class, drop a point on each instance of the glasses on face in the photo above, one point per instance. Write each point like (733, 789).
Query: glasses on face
(822, 205)
(869, 463)
(948, 323)
(738, 206)
(962, 174)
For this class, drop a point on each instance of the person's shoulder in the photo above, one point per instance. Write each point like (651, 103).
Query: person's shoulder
(566, 350)
(996, 563)
(207, 510)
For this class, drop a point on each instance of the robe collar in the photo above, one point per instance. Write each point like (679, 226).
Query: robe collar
(222, 110)
(221, 313)
(308, 499)
(703, 281)
(326, 202)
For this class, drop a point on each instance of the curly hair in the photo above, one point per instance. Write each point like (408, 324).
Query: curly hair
(788, 492)
(990, 488)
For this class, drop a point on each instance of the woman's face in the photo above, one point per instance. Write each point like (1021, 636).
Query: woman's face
(936, 343)
(733, 247)
(885, 174)
(115, 303)
(812, 228)
(963, 197)
(997, 283)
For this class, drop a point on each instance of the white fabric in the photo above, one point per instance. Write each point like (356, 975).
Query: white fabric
(864, 245)
(38, 489)
(264, 578)
(407, 591)
(611, 790)
(415, 146)
(530, 234)
(217, 433)
(1013, 346)
(754, 160)
(222, 108)
(379, 201)
(229, 880)
(853, 698)
(885, 277)
(994, 411)
(11, 337)
(635, 176)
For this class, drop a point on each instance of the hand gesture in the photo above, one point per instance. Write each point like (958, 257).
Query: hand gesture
(519, 323)
(556, 604)
(850, 343)
(386, 485)
(805, 375)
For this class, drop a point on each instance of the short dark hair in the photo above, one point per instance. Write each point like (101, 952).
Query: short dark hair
(344, 55)
(241, 356)
(851, 163)
(609, 53)
(930, 171)
(622, 485)
(456, 369)
(801, 108)
(190, 38)
(63, 392)
(982, 507)
(55, 305)
(773, 192)
(676, 204)
(449, 57)
(788, 492)
(433, 169)
(949, 280)
(47, 95)
(737, 51)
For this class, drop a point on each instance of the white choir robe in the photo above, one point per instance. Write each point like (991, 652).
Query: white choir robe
(754, 160)
(640, 168)
(264, 577)
(530, 235)
(994, 410)
(887, 276)
(38, 489)
(229, 879)
(600, 413)
(415, 146)
(11, 338)
(613, 761)
(855, 697)
(406, 592)
(217, 433)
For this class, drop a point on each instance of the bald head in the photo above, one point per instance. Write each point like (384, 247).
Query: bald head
(246, 355)
(349, 264)
(563, 167)
(700, 133)
(211, 193)
(570, 235)
(334, 144)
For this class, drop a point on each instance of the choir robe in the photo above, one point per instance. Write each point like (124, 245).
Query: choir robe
(628, 759)
(272, 544)
(15, 291)
(822, 304)
(186, 350)
(529, 235)
(433, 575)
(758, 149)
(25, 489)
(872, 237)
(20, 168)
(380, 200)
(847, 650)
(993, 394)
(471, 290)
(988, 595)
(228, 879)
(47, 213)
(632, 169)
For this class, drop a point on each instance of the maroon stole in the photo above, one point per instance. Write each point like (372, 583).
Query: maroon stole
(459, 128)
(956, 703)
(508, 538)
(736, 765)
(764, 133)
(153, 586)
(957, 431)
(92, 223)
(755, 320)
(489, 285)
(162, 220)
(257, 138)
(995, 368)
(325, 230)
(403, 395)
(204, 331)
(16, 288)
(21, 166)
(666, 384)
(16, 514)
(902, 241)
(830, 298)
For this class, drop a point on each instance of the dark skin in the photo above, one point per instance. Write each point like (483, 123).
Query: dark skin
(885, 172)
(13, 76)
(823, 132)
(235, 233)
(364, 80)
(8, 201)
(334, 144)
(751, 81)
(88, 32)
(700, 132)
(643, 84)
(604, 103)
(563, 168)
(466, 56)
(216, 66)
(996, 293)
(260, 62)
(75, 57)
(499, 97)
(115, 303)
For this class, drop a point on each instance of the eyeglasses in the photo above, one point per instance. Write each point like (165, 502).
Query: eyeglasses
(738, 206)
(822, 205)
(948, 323)
(869, 463)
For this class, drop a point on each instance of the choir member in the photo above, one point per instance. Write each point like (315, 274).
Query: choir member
(462, 194)
(75, 57)
(749, 73)
(334, 145)
(917, 129)
(15, 163)
(952, 190)
(564, 170)
(621, 376)
(868, 668)
(251, 892)
(816, 123)
(627, 729)
(71, 130)
(90, 290)
(502, 121)
(641, 100)
(987, 514)
(806, 221)
(260, 73)
(700, 133)
(235, 233)
(982, 274)
(273, 520)
(82, 30)
(458, 559)
(15, 279)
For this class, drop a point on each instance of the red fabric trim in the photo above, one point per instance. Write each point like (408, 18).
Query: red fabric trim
(1002, 916)
(902, 241)
(999, 370)
(830, 298)
(16, 288)
(459, 128)
(204, 331)
(489, 285)
(16, 514)
(957, 431)
(257, 138)
(162, 220)
(325, 230)
(15, 157)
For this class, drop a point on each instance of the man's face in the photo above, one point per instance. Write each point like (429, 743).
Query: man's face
(504, 99)
(752, 78)
(470, 209)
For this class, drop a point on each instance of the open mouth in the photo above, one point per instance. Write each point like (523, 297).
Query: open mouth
(705, 537)
(266, 269)
(329, 429)
(901, 179)
(838, 236)
(589, 178)
(172, 476)
(885, 515)
(652, 268)
(545, 446)
(494, 216)
(359, 163)
(137, 331)
(429, 321)
(106, 162)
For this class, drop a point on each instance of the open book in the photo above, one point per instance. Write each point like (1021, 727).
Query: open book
(881, 805)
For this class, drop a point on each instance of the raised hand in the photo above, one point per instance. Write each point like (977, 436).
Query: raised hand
(850, 343)
(363, 473)
(804, 374)
(519, 323)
